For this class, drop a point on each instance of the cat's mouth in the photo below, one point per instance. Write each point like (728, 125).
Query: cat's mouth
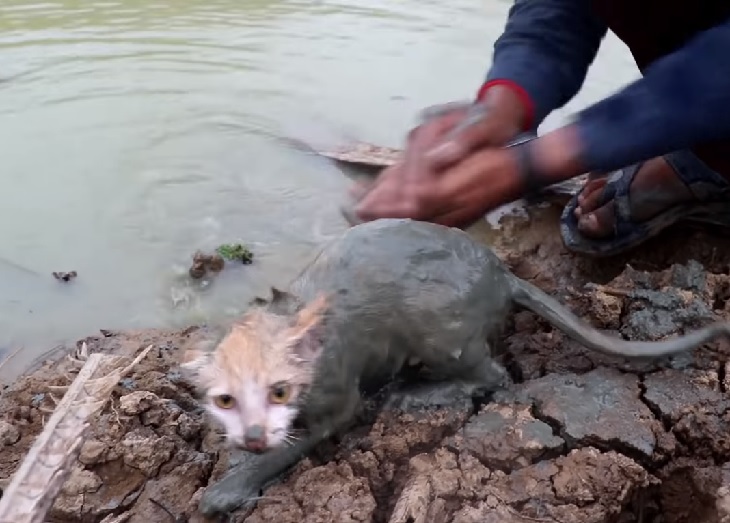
(253, 448)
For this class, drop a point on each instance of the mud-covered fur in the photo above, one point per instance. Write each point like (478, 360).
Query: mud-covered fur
(382, 294)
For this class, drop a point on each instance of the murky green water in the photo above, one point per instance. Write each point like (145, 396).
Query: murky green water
(133, 133)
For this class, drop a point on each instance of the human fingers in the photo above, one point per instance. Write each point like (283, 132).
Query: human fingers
(360, 188)
(482, 182)
(473, 132)
(425, 136)
(350, 215)
(436, 111)
(396, 197)
(460, 218)
(416, 166)
(438, 124)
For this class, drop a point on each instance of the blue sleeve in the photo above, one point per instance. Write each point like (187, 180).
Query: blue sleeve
(679, 102)
(546, 48)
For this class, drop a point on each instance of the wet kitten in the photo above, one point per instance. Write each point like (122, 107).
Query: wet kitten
(378, 296)
(256, 379)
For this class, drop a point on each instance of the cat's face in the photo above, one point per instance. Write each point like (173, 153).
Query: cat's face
(256, 378)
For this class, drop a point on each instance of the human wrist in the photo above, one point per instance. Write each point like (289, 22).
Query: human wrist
(511, 103)
(550, 159)
(558, 155)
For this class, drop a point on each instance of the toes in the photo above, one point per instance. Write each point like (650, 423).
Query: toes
(592, 200)
(589, 196)
(599, 223)
(591, 191)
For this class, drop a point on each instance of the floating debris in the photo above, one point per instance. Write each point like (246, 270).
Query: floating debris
(202, 263)
(236, 252)
(363, 153)
(65, 276)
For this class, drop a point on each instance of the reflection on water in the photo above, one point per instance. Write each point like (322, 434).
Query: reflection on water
(133, 133)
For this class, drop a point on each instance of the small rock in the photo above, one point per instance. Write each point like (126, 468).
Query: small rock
(24, 413)
(606, 309)
(81, 481)
(165, 413)
(601, 407)
(506, 437)
(692, 403)
(691, 276)
(146, 452)
(187, 427)
(656, 314)
(137, 402)
(91, 452)
(676, 393)
(9, 434)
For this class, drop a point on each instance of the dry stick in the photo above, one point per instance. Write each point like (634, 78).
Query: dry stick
(49, 461)
(10, 356)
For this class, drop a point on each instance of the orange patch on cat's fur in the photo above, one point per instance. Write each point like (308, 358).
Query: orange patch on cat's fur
(259, 345)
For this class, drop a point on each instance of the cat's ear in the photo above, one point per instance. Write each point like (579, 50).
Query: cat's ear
(306, 333)
(283, 302)
(197, 358)
(277, 295)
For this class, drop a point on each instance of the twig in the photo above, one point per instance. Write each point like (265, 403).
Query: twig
(49, 461)
(11, 356)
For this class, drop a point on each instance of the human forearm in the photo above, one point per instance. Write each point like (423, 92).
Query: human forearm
(682, 101)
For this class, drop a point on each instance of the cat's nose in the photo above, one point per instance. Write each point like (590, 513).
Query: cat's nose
(255, 438)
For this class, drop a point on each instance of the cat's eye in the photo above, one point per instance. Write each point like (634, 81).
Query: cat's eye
(224, 401)
(279, 393)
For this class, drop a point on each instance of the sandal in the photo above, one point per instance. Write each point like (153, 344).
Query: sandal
(710, 205)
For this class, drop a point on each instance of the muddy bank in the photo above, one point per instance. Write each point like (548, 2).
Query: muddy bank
(579, 438)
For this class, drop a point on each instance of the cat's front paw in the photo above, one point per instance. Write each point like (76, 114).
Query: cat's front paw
(237, 490)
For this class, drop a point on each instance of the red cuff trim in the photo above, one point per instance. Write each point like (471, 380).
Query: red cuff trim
(524, 98)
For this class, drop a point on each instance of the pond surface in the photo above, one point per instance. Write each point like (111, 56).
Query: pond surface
(133, 133)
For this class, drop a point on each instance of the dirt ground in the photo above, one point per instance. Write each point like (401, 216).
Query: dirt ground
(579, 438)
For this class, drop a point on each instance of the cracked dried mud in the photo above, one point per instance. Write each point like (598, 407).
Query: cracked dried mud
(579, 438)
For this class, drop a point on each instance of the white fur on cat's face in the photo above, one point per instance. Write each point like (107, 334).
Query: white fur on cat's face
(251, 407)
(243, 378)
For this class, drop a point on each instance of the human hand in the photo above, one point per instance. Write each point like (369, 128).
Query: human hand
(465, 128)
(448, 134)
(457, 198)
(485, 180)
(460, 128)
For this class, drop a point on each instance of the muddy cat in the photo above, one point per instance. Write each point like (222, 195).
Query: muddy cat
(380, 296)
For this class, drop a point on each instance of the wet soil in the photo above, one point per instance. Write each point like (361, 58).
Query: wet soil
(579, 438)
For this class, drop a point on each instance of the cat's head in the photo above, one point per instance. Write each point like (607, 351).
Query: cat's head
(257, 375)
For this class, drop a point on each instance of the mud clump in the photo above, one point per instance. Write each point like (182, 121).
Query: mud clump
(579, 437)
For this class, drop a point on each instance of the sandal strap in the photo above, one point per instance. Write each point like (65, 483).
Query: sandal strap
(704, 186)
(618, 190)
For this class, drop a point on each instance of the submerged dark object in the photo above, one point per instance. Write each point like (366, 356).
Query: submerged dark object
(65, 276)
(202, 263)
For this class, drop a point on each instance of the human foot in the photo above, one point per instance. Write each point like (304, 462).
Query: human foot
(617, 212)
(655, 188)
